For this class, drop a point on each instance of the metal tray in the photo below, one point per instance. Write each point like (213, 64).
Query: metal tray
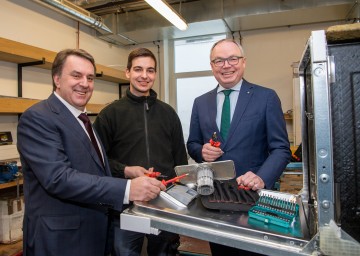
(234, 229)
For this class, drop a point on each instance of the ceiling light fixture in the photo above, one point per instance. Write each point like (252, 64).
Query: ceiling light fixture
(162, 7)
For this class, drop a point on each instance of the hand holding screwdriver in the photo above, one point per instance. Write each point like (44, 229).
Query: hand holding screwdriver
(155, 175)
(173, 180)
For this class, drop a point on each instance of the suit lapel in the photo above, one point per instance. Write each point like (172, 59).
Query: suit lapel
(245, 95)
(212, 110)
(68, 119)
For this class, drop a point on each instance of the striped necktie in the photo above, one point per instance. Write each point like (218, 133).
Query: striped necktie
(85, 119)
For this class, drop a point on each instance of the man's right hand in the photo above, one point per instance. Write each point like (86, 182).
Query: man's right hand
(144, 188)
(136, 171)
(211, 153)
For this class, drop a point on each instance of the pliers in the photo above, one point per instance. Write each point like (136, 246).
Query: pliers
(173, 180)
(155, 175)
(214, 141)
(241, 186)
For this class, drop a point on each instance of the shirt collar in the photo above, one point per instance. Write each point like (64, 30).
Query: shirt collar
(76, 112)
(237, 87)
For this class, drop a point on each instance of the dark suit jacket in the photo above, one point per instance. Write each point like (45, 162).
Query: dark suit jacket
(257, 139)
(67, 190)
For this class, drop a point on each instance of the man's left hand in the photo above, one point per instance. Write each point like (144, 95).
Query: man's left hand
(251, 180)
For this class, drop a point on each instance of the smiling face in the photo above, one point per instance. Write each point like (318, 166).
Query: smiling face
(227, 75)
(141, 75)
(75, 83)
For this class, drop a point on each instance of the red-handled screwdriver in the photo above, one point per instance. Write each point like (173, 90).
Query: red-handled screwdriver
(173, 180)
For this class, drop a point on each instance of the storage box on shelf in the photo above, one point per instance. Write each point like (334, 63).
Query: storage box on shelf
(11, 227)
(11, 216)
(291, 182)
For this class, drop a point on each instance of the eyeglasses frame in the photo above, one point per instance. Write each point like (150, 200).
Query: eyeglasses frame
(227, 59)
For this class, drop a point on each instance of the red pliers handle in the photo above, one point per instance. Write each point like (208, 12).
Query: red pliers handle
(173, 180)
(243, 187)
(155, 175)
(214, 141)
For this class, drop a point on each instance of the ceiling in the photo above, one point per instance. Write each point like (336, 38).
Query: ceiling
(129, 22)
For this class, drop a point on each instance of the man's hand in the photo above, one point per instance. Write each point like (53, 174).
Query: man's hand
(210, 153)
(136, 171)
(251, 180)
(144, 188)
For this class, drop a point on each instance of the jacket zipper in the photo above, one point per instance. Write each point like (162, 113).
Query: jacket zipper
(146, 109)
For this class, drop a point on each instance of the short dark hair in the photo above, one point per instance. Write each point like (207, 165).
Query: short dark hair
(59, 61)
(140, 52)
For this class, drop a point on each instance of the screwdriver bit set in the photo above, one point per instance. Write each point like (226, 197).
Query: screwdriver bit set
(275, 210)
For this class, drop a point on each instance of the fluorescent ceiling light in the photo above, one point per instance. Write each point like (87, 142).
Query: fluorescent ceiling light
(162, 7)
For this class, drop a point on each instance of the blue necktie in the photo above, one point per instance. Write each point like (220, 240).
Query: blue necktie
(225, 115)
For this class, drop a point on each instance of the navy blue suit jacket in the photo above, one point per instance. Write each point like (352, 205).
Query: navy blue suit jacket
(257, 139)
(67, 190)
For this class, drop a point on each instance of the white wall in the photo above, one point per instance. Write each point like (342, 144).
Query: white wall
(30, 23)
(270, 54)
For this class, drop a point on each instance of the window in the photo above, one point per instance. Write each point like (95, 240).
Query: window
(193, 74)
(193, 55)
(187, 90)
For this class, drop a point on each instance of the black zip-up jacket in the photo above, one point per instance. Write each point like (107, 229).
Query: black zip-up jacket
(141, 131)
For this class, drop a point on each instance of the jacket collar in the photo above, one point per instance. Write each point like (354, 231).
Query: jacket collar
(151, 99)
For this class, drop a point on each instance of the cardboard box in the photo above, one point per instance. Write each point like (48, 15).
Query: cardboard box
(5, 138)
(291, 183)
(11, 217)
(11, 205)
(11, 227)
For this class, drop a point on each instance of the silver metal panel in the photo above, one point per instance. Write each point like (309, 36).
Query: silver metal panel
(322, 121)
(137, 224)
(234, 229)
(223, 170)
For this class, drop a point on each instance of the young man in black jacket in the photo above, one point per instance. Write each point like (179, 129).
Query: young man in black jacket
(141, 134)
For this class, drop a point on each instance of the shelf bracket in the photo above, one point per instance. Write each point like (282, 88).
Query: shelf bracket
(20, 66)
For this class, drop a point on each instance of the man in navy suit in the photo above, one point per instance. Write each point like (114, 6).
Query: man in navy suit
(68, 186)
(256, 140)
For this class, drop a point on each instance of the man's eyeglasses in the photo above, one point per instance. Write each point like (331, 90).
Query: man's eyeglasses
(233, 60)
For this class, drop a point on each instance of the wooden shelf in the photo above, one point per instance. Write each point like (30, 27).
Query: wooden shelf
(15, 105)
(15, 52)
(11, 183)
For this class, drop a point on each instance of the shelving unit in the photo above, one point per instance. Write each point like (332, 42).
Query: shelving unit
(15, 52)
(11, 183)
(16, 105)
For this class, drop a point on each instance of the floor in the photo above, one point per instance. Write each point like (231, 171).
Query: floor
(13, 249)
(192, 246)
(188, 247)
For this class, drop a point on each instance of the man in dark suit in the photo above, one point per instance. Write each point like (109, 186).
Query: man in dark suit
(67, 183)
(255, 138)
